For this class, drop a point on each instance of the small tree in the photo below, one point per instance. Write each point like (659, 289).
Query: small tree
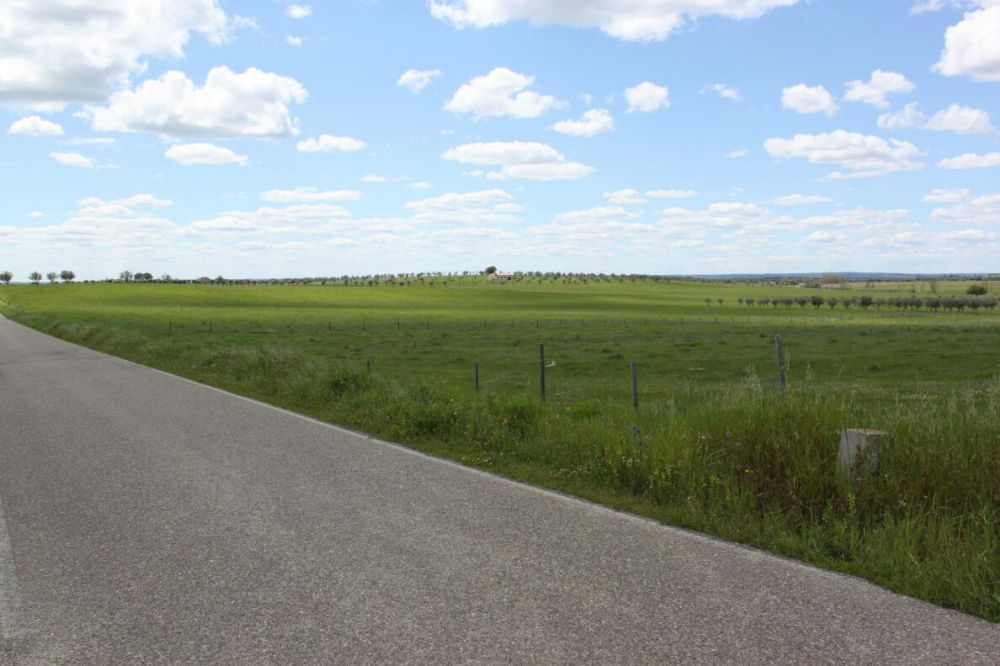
(490, 270)
(126, 276)
(67, 276)
(52, 276)
(6, 277)
(976, 290)
(35, 277)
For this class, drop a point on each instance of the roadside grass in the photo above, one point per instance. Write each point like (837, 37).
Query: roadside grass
(712, 447)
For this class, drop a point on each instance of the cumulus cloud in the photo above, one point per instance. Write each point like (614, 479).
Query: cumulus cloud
(801, 200)
(971, 161)
(593, 122)
(726, 91)
(203, 153)
(971, 46)
(416, 80)
(35, 126)
(626, 197)
(670, 194)
(639, 20)
(72, 159)
(808, 99)
(298, 11)
(293, 40)
(983, 210)
(494, 206)
(327, 143)
(500, 93)
(942, 195)
(861, 155)
(956, 118)
(229, 104)
(519, 159)
(736, 154)
(877, 89)
(307, 194)
(647, 97)
(55, 51)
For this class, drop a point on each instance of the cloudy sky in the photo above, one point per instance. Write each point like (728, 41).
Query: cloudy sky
(265, 139)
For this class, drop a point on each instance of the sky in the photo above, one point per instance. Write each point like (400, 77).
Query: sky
(279, 139)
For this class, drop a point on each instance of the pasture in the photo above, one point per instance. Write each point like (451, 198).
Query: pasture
(712, 446)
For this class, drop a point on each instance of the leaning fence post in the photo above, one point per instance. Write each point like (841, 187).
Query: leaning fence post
(780, 352)
(541, 371)
(475, 375)
(635, 388)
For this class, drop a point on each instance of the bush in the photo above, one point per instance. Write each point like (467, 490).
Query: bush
(976, 290)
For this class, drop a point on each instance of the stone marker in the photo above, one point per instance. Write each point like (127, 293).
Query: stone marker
(859, 450)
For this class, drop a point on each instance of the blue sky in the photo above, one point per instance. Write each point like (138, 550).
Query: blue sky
(271, 139)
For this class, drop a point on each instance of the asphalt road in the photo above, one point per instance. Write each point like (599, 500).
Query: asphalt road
(145, 518)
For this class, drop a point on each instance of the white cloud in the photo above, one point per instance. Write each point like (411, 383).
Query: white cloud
(327, 143)
(494, 206)
(801, 200)
(307, 194)
(670, 194)
(502, 92)
(519, 159)
(808, 99)
(35, 126)
(736, 154)
(371, 178)
(293, 40)
(983, 210)
(55, 51)
(91, 141)
(906, 118)
(971, 161)
(878, 88)
(72, 159)
(298, 11)
(942, 195)
(593, 122)
(647, 97)
(971, 46)
(416, 80)
(626, 197)
(134, 200)
(726, 91)
(922, 6)
(956, 118)
(637, 20)
(35, 214)
(961, 119)
(229, 104)
(863, 156)
(203, 153)
(420, 185)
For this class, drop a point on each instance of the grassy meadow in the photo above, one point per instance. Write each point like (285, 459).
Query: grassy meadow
(712, 447)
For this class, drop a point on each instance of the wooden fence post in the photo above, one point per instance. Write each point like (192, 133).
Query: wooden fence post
(475, 375)
(780, 352)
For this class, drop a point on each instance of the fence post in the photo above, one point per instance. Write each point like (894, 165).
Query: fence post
(475, 375)
(780, 352)
(209, 327)
(635, 388)
(541, 371)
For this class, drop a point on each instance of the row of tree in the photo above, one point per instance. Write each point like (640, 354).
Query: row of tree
(933, 303)
(36, 277)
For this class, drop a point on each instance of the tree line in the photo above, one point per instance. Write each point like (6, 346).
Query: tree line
(974, 300)
(36, 277)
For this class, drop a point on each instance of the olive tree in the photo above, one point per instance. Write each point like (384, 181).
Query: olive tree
(35, 277)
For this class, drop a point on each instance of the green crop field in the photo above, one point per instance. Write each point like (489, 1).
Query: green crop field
(713, 446)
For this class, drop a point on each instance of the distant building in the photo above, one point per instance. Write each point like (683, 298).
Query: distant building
(501, 276)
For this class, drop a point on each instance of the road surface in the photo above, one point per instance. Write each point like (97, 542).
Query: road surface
(146, 518)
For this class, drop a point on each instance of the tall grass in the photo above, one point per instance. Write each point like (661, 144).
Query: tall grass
(736, 461)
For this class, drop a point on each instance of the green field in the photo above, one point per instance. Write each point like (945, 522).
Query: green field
(712, 447)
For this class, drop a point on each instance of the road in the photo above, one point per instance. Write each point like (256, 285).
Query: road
(146, 518)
